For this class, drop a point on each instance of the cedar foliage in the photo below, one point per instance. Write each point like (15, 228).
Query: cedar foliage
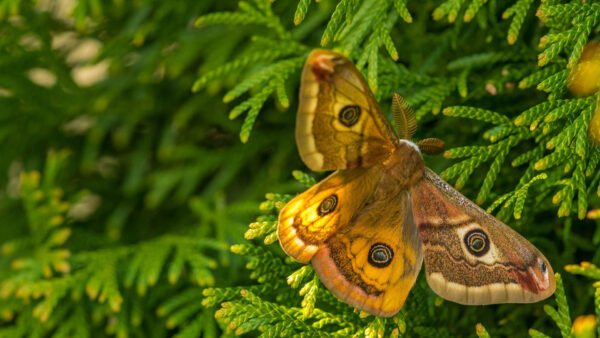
(121, 196)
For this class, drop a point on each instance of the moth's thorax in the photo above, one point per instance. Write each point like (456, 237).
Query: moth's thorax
(405, 165)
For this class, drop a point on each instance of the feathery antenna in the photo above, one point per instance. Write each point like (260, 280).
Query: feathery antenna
(432, 146)
(404, 117)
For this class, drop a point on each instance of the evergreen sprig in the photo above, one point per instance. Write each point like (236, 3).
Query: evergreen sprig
(583, 325)
(267, 79)
(46, 277)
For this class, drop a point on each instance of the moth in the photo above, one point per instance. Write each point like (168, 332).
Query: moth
(368, 227)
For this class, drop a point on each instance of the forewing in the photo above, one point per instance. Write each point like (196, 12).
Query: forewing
(470, 256)
(339, 124)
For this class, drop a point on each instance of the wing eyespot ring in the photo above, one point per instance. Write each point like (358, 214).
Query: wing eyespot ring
(477, 242)
(543, 267)
(327, 205)
(349, 115)
(380, 255)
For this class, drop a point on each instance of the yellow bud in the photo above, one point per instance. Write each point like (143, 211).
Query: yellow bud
(59, 237)
(57, 220)
(38, 195)
(219, 314)
(7, 315)
(584, 78)
(173, 277)
(6, 289)
(57, 193)
(42, 312)
(17, 264)
(594, 128)
(480, 329)
(151, 280)
(563, 211)
(63, 253)
(92, 290)
(271, 238)
(23, 291)
(591, 52)
(141, 289)
(171, 323)
(250, 234)
(63, 266)
(35, 176)
(585, 326)
(534, 125)
(266, 206)
(593, 214)
(7, 248)
(438, 14)
(539, 165)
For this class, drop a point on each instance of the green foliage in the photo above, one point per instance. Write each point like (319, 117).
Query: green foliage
(560, 317)
(48, 280)
(139, 206)
(124, 230)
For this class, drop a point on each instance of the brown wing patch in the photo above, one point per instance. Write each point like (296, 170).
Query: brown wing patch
(471, 257)
(339, 124)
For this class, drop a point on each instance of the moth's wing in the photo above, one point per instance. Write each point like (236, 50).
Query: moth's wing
(313, 216)
(352, 262)
(470, 256)
(339, 124)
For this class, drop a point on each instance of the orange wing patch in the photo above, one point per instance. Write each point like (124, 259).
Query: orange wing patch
(374, 263)
(312, 217)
